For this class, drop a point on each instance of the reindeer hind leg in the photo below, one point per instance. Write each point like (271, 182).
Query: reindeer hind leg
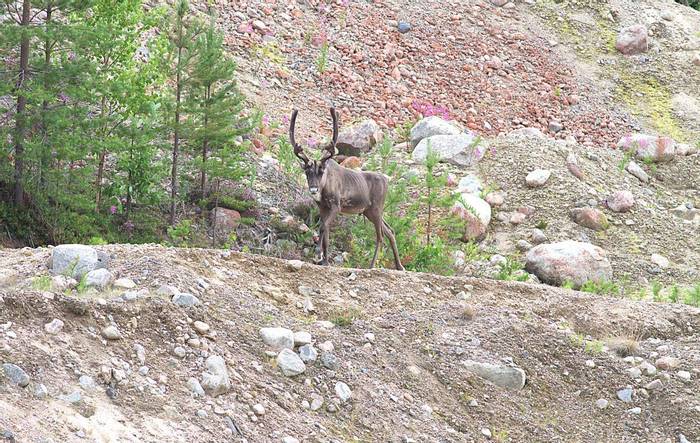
(392, 240)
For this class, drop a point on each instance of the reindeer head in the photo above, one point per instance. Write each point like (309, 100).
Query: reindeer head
(314, 169)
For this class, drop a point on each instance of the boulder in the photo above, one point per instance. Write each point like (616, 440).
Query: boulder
(633, 40)
(76, 260)
(99, 278)
(290, 363)
(569, 261)
(590, 218)
(430, 126)
(620, 201)
(277, 338)
(649, 147)
(216, 381)
(360, 138)
(503, 376)
(459, 149)
(476, 214)
(226, 219)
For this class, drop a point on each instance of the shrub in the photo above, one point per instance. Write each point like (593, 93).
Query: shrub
(695, 4)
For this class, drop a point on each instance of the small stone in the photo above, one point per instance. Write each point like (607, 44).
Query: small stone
(404, 27)
(329, 361)
(185, 299)
(343, 391)
(302, 338)
(660, 261)
(602, 403)
(683, 375)
(72, 398)
(195, 387)
(308, 353)
(290, 439)
(54, 326)
(216, 381)
(637, 171)
(86, 382)
(620, 201)
(295, 265)
(654, 385)
(634, 372)
(140, 353)
(111, 332)
(179, 352)
(259, 409)
(503, 376)
(538, 178)
(635, 411)
(369, 337)
(201, 413)
(316, 402)
(538, 237)
(15, 374)
(290, 363)
(201, 327)
(473, 403)
(590, 364)
(278, 338)
(625, 395)
(486, 432)
(124, 283)
(667, 363)
(167, 291)
(648, 368)
(555, 126)
(40, 391)
(326, 346)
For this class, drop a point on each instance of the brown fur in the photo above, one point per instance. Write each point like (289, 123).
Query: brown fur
(342, 190)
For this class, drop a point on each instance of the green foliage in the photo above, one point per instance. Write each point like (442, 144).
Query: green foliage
(511, 270)
(600, 287)
(82, 285)
(42, 283)
(322, 59)
(674, 295)
(181, 232)
(695, 4)
(692, 296)
(434, 257)
(344, 317)
(96, 241)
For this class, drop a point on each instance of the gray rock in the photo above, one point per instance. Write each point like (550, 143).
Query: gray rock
(602, 403)
(359, 138)
(54, 326)
(475, 212)
(290, 439)
(316, 402)
(277, 338)
(460, 149)
(635, 411)
(140, 353)
(167, 291)
(404, 27)
(538, 178)
(523, 245)
(98, 278)
(470, 184)
(503, 376)
(302, 338)
(76, 260)
(430, 126)
(289, 363)
(308, 353)
(86, 382)
(654, 385)
(620, 201)
(343, 391)
(15, 374)
(124, 283)
(259, 409)
(179, 352)
(111, 332)
(61, 283)
(201, 327)
(555, 126)
(195, 387)
(568, 261)
(40, 391)
(216, 381)
(637, 171)
(329, 361)
(538, 237)
(625, 395)
(682, 439)
(72, 398)
(185, 299)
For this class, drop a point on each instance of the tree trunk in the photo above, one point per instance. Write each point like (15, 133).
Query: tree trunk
(101, 166)
(20, 123)
(176, 139)
(205, 143)
(46, 149)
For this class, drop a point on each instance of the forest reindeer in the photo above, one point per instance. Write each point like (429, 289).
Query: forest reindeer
(340, 190)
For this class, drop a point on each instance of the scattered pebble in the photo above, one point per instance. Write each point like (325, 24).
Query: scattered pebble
(343, 391)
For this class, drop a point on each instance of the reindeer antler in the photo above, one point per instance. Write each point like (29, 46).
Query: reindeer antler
(330, 150)
(298, 151)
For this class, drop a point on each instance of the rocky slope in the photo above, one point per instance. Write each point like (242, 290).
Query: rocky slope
(400, 356)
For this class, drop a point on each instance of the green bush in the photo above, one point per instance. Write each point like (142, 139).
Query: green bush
(695, 4)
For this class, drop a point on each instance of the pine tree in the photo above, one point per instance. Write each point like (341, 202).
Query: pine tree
(182, 32)
(216, 106)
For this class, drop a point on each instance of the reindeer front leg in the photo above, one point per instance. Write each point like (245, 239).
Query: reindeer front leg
(327, 217)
